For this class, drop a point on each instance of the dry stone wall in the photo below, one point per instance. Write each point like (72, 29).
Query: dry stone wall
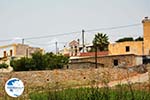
(69, 76)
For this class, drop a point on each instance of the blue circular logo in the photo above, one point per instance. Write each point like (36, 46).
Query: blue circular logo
(14, 87)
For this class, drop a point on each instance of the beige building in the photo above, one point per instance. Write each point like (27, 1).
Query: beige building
(17, 51)
(134, 47)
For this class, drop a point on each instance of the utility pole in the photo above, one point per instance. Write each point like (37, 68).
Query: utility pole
(96, 56)
(56, 47)
(83, 39)
(22, 41)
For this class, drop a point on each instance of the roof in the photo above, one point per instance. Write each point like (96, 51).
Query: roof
(9, 45)
(17, 44)
(73, 43)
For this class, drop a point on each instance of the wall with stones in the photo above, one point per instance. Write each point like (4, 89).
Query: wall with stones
(83, 65)
(66, 77)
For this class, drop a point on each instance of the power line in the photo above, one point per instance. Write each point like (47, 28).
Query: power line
(47, 36)
(51, 43)
(70, 33)
(111, 28)
(6, 40)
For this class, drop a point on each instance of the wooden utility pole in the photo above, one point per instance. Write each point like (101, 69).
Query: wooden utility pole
(96, 56)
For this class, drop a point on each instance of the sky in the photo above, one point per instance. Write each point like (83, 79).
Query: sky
(62, 21)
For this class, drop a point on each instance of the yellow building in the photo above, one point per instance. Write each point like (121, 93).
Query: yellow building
(134, 47)
(146, 30)
(126, 48)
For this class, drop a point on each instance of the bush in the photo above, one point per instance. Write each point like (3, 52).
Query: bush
(40, 62)
(125, 39)
(23, 64)
(3, 65)
(130, 39)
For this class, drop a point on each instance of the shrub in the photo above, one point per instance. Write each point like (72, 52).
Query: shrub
(3, 65)
(40, 62)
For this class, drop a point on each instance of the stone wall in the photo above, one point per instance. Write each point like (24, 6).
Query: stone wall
(66, 77)
(79, 65)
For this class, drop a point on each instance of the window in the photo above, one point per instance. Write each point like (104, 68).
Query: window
(5, 54)
(11, 52)
(116, 62)
(127, 48)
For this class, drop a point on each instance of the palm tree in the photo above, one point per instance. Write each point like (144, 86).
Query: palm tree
(100, 41)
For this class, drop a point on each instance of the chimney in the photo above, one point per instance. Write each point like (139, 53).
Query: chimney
(146, 19)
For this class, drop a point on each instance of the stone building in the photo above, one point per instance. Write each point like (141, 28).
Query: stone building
(13, 51)
(134, 47)
(122, 54)
(17, 50)
(127, 60)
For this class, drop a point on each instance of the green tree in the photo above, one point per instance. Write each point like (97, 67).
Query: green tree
(125, 39)
(100, 41)
(40, 62)
(3, 65)
(139, 39)
(53, 61)
(130, 39)
(23, 64)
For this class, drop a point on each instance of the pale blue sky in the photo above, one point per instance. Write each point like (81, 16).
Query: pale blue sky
(31, 18)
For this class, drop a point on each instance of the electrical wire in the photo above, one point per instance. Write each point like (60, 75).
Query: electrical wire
(111, 28)
(70, 33)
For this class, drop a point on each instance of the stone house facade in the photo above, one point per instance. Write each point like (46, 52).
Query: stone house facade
(127, 60)
(12, 51)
